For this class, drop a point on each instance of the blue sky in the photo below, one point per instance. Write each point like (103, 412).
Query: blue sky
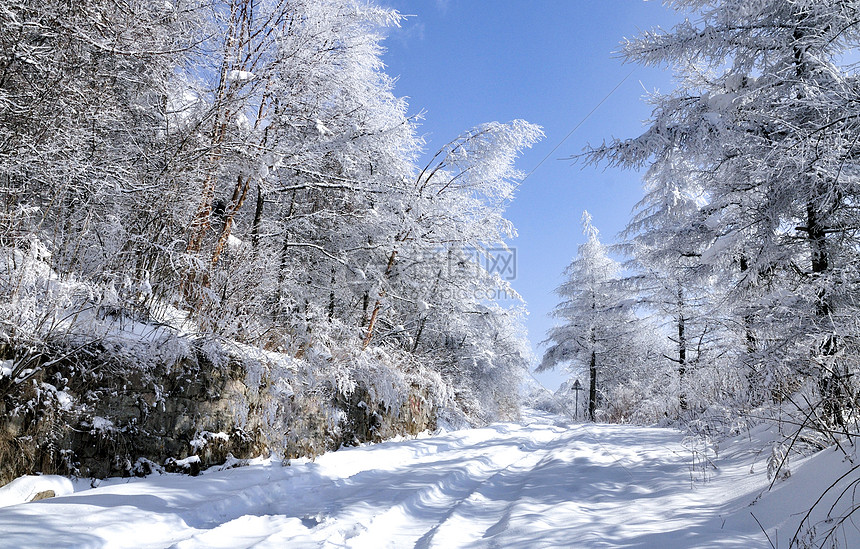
(464, 62)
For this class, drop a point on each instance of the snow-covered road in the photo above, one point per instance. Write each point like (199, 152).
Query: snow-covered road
(539, 484)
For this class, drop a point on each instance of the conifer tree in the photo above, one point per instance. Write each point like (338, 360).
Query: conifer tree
(597, 323)
(761, 119)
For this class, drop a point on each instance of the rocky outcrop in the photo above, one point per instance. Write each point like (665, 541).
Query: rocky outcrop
(105, 418)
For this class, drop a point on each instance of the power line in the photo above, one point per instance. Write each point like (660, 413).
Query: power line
(581, 122)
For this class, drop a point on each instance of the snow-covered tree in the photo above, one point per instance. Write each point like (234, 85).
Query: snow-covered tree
(666, 239)
(82, 117)
(242, 170)
(438, 295)
(760, 117)
(598, 327)
(451, 213)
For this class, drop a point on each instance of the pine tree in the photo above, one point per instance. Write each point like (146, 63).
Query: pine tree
(759, 119)
(598, 325)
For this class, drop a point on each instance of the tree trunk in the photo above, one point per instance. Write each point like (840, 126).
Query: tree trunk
(258, 218)
(818, 251)
(200, 223)
(829, 382)
(682, 351)
(592, 386)
(375, 314)
(331, 296)
(236, 201)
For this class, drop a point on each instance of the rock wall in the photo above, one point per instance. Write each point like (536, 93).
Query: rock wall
(93, 417)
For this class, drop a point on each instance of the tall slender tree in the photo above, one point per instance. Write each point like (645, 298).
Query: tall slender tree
(666, 239)
(597, 320)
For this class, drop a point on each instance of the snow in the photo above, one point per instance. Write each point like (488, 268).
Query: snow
(203, 438)
(234, 243)
(542, 483)
(101, 424)
(241, 76)
(24, 489)
(321, 128)
(188, 461)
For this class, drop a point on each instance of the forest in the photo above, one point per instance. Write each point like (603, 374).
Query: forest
(223, 236)
(742, 255)
(214, 222)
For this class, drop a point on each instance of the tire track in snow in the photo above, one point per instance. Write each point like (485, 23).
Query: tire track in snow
(538, 485)
(344, 520)
(415, 519)
(488, 510)
(244, 532)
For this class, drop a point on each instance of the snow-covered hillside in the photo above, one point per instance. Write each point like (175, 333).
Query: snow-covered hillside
(542, 483)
